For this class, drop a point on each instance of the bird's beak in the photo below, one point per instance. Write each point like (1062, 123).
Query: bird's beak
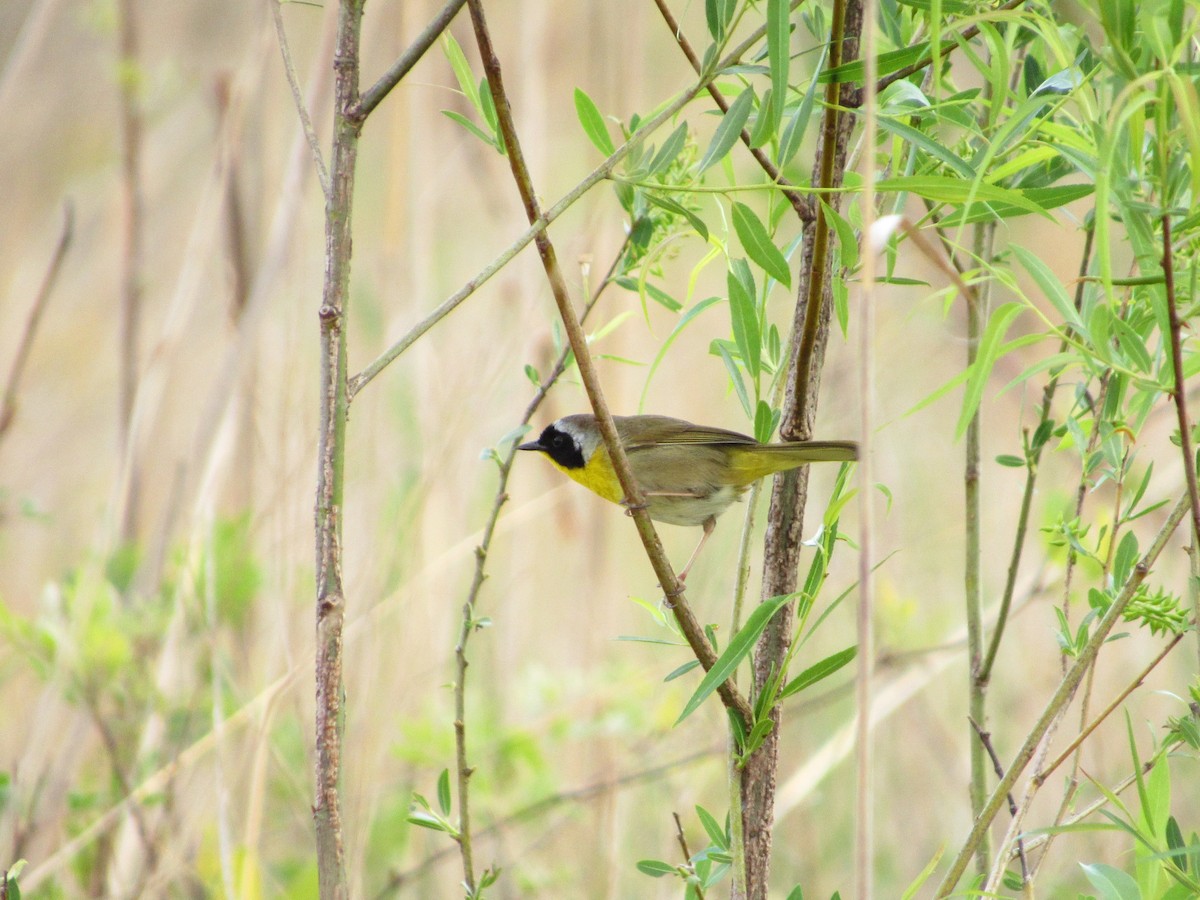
(532, 445)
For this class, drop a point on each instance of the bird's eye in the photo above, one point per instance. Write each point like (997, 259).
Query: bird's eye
(559, 440)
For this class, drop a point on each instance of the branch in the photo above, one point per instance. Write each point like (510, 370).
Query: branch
(985, 738)
(331, 459)
(468, 612)
(538, 225)
(634, 498)
(1180, 394)
(8, 406)
(1047, 771)
(1031, 473)
(374, 95)
(794, 195)
(1062, 696)
(310, 133)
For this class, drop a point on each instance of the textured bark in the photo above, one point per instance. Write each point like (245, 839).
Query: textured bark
(785, 522)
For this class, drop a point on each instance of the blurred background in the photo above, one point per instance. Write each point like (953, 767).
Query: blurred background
(157, 588)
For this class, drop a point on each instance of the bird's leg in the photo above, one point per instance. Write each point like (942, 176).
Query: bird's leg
(709, 524)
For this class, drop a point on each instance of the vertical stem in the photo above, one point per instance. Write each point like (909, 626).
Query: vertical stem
(789, 493)
(1185, 428)
(330, 717)
(864, 836)
(972, 587)
(132, 215)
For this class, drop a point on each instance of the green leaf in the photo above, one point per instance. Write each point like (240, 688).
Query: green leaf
(845, 235)
(593, 123)
(746, 333)
(680, 210)
(931, 146)
(714, 829)
(797, 126)
(462, 69)
(779, 40)
(985, 359)
(946, 189)
(662, 351)
(818, 671)
(758, 244)
(681, 670)
(1012, 462)
(427, 820)
(443, 791)
(741, 645)
(1112, 883)
(470, 126)
(670, 149)
(721, 349)
(728, 131)
(1051, 287)
(655, 868)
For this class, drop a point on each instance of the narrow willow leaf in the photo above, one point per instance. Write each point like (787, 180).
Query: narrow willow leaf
(744, 317)
(728, 131)
(989, 351)
(741, 644)
(818, 671)
(758, 244)
(684, 321)
(764, 123)
(779, 41)
(797, 126)
(462, 69)
(680, 210)
(713, 828)
(1051, 287)
(470, 126)
(656, 868)
(845, 234)
(670, 149)
(443, 791)
(1111, 882)
(946, 189)
(593, 123)
(923, 141)
(721, 349)
(680, 670)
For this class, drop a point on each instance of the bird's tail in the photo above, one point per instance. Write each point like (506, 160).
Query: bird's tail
(767, 459)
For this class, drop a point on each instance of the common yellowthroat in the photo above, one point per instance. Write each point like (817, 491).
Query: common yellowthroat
(689, 473)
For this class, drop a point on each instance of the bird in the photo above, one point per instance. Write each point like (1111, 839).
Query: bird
(689, 473)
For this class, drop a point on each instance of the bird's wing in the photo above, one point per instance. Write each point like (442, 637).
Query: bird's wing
(657, 430)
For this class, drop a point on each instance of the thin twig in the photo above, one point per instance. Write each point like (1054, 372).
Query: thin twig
(374, 95)
(673, 588)
(985, 738)
(1180, 392)
(289, 69)
(578, 795)
(864, 829)
(687, 854)
(331, 460)
(464, 769)
(794, 195)
(8, 406)
(1084, 734)
(1062, 695)
(1031, 473)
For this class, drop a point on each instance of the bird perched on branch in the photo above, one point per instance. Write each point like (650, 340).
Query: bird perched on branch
(689, 474)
